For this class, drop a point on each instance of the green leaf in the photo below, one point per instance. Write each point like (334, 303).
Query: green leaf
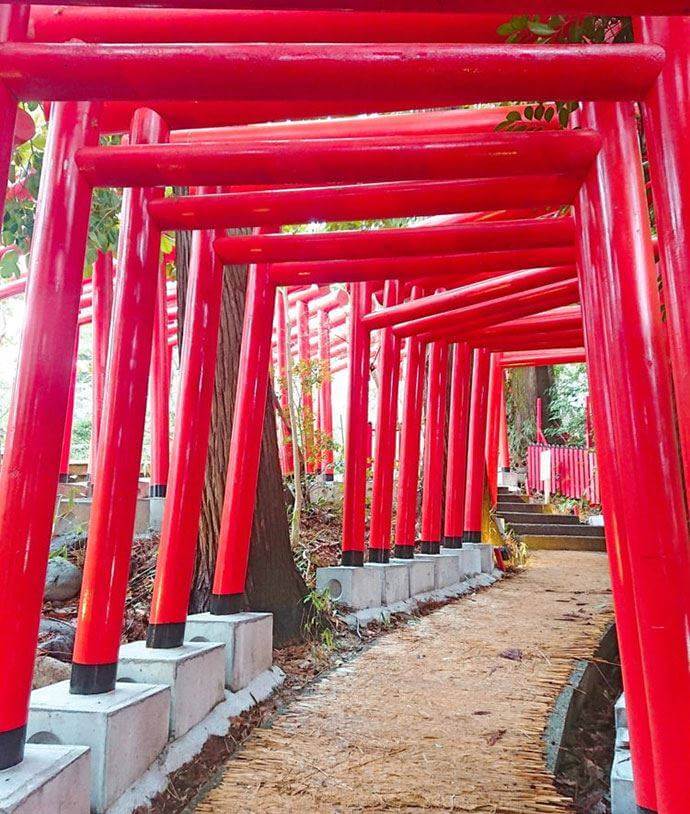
(9, 265)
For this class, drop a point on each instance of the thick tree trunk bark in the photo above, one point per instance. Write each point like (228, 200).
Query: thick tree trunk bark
(526, 385)
(274, 583)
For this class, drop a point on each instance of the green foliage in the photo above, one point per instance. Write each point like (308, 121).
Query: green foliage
(320, 621)
(558, 28)
(81, 438)
(20, 207)
(567, 404)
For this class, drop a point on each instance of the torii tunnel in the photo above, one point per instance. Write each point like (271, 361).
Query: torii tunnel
(521, 247)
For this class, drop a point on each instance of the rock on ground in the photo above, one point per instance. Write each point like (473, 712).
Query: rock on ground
(56, 638)
(49, 671)
(63, 580)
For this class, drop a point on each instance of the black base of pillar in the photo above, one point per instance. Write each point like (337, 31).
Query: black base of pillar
(165, 637)
(352, 558)
(472, 537)
(92, 679)
(641, 810)
(327, 478)
(158, 490)
(452, 542)
(427, 547)
(380, 555)
(63, 478)
(12, 747)
(225, 604)
(404, 552)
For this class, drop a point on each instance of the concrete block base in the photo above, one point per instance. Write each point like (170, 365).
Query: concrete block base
(622, 789)
(446, 568)
(50, 779)
(73, 515)
(194, 672)
(248, 640)
(125, 729)
(620, 712)
(395, 581)
(486, 554)
(421, 575)
(350, 586)
(156, 507)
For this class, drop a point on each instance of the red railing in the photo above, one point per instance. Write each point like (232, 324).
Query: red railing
(574, 471)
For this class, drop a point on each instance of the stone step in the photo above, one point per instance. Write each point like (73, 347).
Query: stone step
(519, 506)
(542, 529)
(550, 519)
(556, 542)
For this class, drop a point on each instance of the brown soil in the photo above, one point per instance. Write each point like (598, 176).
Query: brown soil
(445, 714)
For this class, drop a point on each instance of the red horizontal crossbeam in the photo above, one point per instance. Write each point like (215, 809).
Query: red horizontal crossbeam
(361, 201)
(554, 356)
(461, 267)
(456, 325)
(565, 339)
(615, 7)
(415, 75)
(351, 245)
(355, 160)
(443, 302)
(480, 120)
(96, 24)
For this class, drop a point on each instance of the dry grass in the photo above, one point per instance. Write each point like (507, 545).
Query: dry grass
(445, 714)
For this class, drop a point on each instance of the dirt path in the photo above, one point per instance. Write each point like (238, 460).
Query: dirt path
(445, 714)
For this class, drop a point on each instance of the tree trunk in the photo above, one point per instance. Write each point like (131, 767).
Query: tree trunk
(273, 584)
(526, 385)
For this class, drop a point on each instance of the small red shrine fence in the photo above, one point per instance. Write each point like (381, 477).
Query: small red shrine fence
(573, 471)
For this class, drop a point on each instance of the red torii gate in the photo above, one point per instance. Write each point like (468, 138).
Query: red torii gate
(642, 329)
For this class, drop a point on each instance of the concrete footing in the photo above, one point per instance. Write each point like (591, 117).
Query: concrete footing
(446, 567)
(125, 730)
(248, 640)
(486, 554)
(72, 515)
(351, 586)
(156, 508)
(50, 779)
(194, 672)
(395, 581)
(622, 789)
(420, 575)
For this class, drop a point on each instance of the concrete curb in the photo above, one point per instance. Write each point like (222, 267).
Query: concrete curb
(365, 617)
(183, 750)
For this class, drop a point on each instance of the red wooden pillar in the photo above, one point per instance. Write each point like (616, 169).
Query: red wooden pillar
(325, 401)
(14, 21)
(284, 358)
(635, 429)
(668, 144)
(180, 527)
(102, 307)
(31, 463)
(503, 445)
(474, 490)
(493, 425)
(69, 417)
(386, 425)
(456, 463)
(355, 484)
(116, 479)
(410, 438)
(434, 439)
(159, 392)
(245, 443)
(307, 405)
